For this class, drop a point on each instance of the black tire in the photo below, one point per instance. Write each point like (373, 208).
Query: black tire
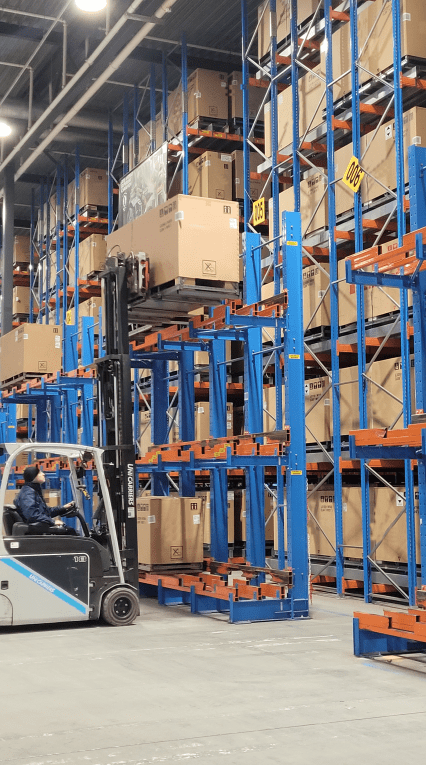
(120, 607)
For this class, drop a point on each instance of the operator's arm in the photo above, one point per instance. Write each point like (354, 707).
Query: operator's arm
(26, 502)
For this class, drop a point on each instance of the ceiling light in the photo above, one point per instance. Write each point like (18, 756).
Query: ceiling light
(91, 6)
(5, 129)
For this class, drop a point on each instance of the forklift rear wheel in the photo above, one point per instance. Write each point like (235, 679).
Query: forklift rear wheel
(120, 607)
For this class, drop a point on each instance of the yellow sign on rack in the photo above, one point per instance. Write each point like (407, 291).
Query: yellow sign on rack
(259, 211)
(353, 175)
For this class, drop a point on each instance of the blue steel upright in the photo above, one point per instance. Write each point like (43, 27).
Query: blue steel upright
(294, 379)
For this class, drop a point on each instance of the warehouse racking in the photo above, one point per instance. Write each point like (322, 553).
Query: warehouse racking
(362, 110)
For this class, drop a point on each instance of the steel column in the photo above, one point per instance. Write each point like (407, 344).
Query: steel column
(7, 247)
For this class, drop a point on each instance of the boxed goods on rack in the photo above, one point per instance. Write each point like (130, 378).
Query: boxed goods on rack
(258, 186)
(305, 9)
(205, 497)
(207, 99)
(93, 190)
(313, 203)
(171, 236)
(31, 349)
(316, 295)
(255, 98)
(92, 254)
(385, 409)
(21, 250)
(21, 300)
(318, 408)
(311, 107)
(170, 531)
(210, 175)
(202, 420)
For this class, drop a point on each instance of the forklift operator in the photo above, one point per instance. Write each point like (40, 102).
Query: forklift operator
(33, 508)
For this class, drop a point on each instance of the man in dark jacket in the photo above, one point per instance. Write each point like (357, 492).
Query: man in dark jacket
(33, 508)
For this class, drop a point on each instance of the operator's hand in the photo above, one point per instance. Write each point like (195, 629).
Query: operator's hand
(69, 504)
(69, 509)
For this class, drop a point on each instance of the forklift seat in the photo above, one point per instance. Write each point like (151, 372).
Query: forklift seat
(13, 522)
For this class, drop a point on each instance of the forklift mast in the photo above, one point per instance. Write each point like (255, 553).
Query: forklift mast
(115, 410)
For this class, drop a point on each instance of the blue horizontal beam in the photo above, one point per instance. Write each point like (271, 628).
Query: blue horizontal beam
(375, 279)
(366, 643)
(383, 452)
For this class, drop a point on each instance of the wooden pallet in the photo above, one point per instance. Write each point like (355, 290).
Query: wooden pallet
(20, 379)
(171, 568)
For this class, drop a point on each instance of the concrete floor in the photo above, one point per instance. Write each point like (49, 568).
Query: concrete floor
(174, 688)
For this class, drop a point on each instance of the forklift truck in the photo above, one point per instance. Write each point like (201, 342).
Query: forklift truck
(48, 578)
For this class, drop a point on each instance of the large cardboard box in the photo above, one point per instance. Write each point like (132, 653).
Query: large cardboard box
(144, 137)
(321, 506)
(21, 300)
(343, 195)
(341, 48)
(210, 175)
(255, 95)
(270, 408)
(202, 420)
(386, 409)
(347, 298)
(89, 309)
(189, 237)
(379, 152)
(387, 299)
(91, 256)
(207, 98)
(316, 287)
(319, 421)
(205, 497)
(311, 107)
(379, 49)
(349, 400)
(258, 187)
(305, 9)
(93, 189)
(34, 349)
(170, 530)
(313, 203)
(21, 249)
(385, 506)
(269, 503)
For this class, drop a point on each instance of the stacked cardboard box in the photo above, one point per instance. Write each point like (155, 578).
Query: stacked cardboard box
(318, 408)
(316, 284)
(379, 50)
(92, 253)
(205, 497)
(88, 308)
(202, 420)
(270, 408)
(347, 298)
(305, 9)
(33, 349)
(210, 175)
(255, 97)
(170, 531)
(311, 107)
(385, 408)
(313, 203)
(341, 51)
(21, 300)
(269, 505)
(171, 236)
(21, 250)
(385, 507)
(93, 190)
(207, 99)
(144, 137)
(258, 187)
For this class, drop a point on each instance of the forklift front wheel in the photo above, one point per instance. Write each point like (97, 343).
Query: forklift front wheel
(120, 607)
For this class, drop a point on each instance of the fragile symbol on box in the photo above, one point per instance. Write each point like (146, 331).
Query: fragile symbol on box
(176, 553)
(42, 366)
(209, 267)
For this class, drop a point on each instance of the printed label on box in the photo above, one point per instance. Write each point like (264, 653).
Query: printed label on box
(42, 366)
(226, 158)
(233, 223)
(151, 518)
(196, 519)
(179, 215)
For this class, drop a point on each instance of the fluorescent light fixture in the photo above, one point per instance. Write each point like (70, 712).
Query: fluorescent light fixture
(91, 6)
(5, 129)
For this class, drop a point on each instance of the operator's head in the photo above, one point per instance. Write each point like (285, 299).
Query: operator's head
(33, 474)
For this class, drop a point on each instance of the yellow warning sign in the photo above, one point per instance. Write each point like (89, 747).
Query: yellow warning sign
(259, 211)
(68, 317)
(353, 175)
(296, 472)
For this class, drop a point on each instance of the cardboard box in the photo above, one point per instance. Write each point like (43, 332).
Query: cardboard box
(341, 48)
(202, 420)
(319, 420)
(312, 195)
(315, 287)
(89, 309)
(347, 298)
(379, 152)
(387, 299)
(385, 506)
(258, 187)
(33, 349)
(349, 400)
(385, 409)
(22, 411)
(305, 9)
(21, 300)
(93, 189)
(207, 99)
(270, 408)
(21, 250)
(205, 497)
(144, 137)
(210, 175)
(379, 50)
(321, 506)
(255, 95)
(170, 236)
(269, 502)
(311, 107)
(92, 254)
(343, 195)
(170, 530)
